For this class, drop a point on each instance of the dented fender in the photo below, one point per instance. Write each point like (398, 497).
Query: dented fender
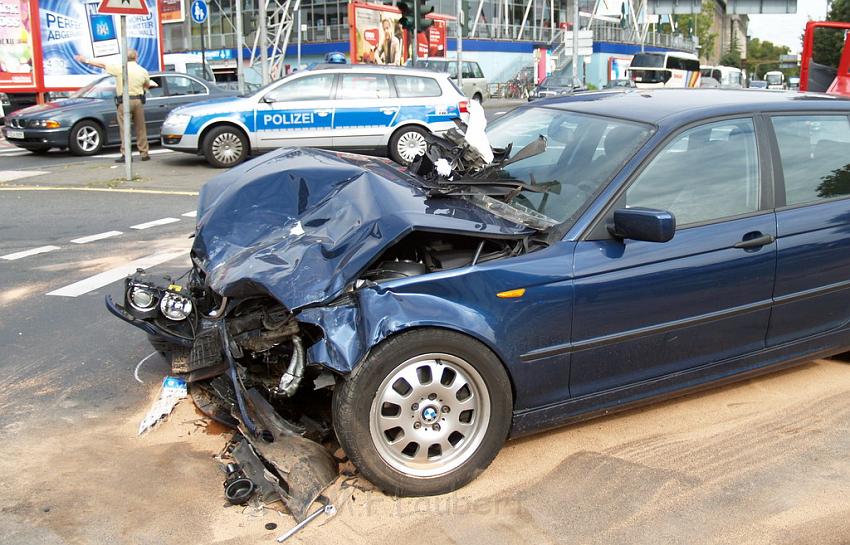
(375, 314)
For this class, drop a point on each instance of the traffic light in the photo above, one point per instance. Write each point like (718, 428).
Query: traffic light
(406, 20)
(423, 9)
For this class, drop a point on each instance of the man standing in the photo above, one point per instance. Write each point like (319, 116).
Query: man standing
(139, 83)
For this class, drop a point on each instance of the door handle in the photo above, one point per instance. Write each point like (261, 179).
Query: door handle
(755, 242)
(323, 113)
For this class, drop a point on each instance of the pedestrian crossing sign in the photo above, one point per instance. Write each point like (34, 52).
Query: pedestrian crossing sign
(123, 7)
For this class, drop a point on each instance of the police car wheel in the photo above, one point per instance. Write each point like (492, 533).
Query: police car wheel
(407, 144)
(225, 147)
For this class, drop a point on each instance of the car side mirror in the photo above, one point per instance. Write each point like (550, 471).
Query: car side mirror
(645, 224)
(267, 99)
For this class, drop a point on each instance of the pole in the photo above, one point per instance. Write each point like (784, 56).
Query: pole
(125, 104)
(204, 46)
(298, 64)
(460, 24)
(576, 26)
(264, 46)
(415, 53)
(240, 70)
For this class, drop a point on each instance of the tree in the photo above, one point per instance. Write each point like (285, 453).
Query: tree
(699, 25)
(733, 56)
(830, 41)
(763, 56)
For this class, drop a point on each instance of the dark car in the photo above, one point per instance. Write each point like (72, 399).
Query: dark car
(555, 85)
(87, 122)
(622, 247)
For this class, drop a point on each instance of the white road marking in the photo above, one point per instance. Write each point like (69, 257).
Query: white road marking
(135, 154)
(118, 273)
(27, 253)
(99, 236)
(500, 113)
(155, 223)
(12, 175)
(146, 358)
(13, 152)
(192, 214)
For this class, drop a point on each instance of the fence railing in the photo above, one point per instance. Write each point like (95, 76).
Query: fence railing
(602, 32)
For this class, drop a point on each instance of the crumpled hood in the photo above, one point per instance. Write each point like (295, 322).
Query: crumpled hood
(301, 224)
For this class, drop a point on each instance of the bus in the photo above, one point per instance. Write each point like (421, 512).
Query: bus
(728, 77)
(667, 69)
(775, 79)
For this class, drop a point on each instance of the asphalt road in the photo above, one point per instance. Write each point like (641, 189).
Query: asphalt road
(761, 462)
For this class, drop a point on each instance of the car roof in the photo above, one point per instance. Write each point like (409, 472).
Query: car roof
(677, 106)
(372, 68)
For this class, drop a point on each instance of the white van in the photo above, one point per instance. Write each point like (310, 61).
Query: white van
(728, 77)
(189, 63)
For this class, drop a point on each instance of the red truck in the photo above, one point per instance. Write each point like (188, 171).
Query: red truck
(822, 78)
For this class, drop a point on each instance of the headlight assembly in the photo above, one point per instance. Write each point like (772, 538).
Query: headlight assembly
(176, 123)
(142, 298)
(175, 307)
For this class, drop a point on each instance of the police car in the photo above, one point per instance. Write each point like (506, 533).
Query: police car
(360, 108)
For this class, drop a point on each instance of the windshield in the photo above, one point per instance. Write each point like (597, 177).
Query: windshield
(437, 66)
(103, 88)
(558, 80)
(648, 60)
(582, 154)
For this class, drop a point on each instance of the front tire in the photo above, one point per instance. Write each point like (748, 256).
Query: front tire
(425, 413)
(225, 146)
(407, 144)
(477, 97)
(85, 138)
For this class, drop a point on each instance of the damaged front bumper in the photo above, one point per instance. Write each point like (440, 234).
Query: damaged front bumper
(221, 369)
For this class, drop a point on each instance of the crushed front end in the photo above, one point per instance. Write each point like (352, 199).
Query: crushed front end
(246, 368)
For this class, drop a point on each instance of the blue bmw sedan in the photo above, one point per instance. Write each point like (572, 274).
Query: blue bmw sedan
(621, 247)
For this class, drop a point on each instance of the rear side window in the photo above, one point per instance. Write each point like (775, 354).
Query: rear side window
(417, 86)
(815, 152)
(705, 174)
(181, 86)
(364, 86)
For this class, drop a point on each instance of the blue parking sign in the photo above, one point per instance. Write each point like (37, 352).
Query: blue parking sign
(199, 11)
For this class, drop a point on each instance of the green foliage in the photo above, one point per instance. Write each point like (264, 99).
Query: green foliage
(699, 25)
(733, 56)
(828, 41)
(763, 56)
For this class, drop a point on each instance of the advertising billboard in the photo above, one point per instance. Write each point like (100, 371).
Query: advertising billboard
(16, 44)
(376, 35)
(378, 38)
(172, 11)
(617, 67)
(73, 27)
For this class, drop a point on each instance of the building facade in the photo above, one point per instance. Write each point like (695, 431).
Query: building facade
(506, 37)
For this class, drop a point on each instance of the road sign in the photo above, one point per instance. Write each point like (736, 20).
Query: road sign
(585, 43)
(123, 7)
(199, 11)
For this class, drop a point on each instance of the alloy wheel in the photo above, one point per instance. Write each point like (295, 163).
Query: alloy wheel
(88, 139)
(411, 145)
(429, 415)
(227, 148)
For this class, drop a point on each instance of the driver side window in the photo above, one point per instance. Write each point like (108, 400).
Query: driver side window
(316, 87)
(704, 174)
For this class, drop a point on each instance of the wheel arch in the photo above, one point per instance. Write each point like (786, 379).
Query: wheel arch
(363, 329)
(442, 326)
(215, 123)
